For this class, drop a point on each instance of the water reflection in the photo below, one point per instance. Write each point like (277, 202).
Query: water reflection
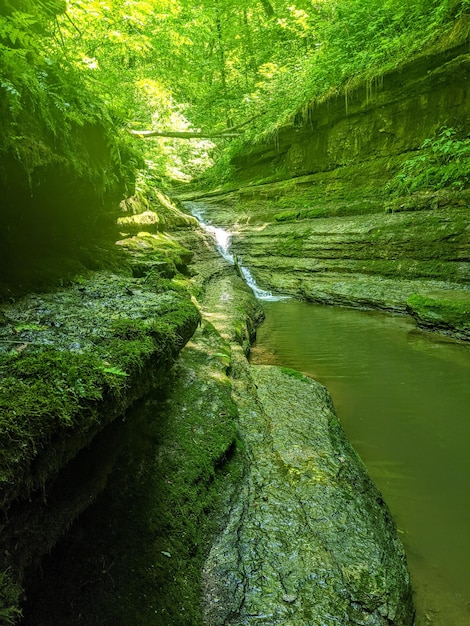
(404, 400)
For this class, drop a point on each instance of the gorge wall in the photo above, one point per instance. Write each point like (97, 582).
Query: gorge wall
(376, 120)
(312, 217)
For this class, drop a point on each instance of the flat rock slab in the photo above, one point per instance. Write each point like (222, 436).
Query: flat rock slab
(309, 539)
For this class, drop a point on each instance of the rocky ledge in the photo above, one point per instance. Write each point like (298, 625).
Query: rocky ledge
(71, 362)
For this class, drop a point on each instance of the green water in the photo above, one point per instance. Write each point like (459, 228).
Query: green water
(403, 397)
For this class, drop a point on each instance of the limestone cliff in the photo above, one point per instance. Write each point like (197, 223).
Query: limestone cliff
(373, 121)
(311, 216)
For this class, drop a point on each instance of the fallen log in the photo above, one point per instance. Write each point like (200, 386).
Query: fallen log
(182, 134)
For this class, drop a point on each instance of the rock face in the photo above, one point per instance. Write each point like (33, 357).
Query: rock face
(309, 540)
(58, 211)
(315, 222)
(372, 261)
(372, 121)
(414, 262)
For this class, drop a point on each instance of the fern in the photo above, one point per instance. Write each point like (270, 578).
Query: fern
(442, 161)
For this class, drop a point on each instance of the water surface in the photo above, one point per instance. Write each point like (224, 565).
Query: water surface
(403, 397)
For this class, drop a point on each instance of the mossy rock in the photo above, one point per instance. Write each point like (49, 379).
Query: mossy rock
(71, 362)
(309, 540)
(442, 313)
(156, 252)
(148, 221)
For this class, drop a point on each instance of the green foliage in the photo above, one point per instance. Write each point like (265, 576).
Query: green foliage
(442, 161)
(355, 40)
(63, 159)
(54, 113)
(10, 594)
(204, 65)
(115, 371)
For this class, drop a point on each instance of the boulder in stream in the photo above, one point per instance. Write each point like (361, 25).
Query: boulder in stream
(309, 540)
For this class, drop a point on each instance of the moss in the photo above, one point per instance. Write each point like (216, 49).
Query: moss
(45, 390)
(153, 211)
(292, 244)
(431, 311)
(302, 214)
(294, 373)
(169, 493)
(157, 253)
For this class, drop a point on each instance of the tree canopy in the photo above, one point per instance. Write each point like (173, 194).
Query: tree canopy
(184, 66)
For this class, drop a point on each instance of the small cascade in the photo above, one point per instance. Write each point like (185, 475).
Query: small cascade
(223, 240)
(261, 294)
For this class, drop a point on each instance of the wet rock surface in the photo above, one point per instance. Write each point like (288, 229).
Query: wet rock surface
(377, 260)
(309, 540)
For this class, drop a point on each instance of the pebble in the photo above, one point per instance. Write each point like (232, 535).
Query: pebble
(289, 598)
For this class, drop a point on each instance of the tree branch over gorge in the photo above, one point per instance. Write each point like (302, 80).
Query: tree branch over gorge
(228, 133)
(182, 134)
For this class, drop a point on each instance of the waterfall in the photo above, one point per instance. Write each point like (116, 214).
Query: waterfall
(223, 240)
(261, 294)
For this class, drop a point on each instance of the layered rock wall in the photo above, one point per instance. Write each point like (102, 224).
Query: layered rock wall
(312, 217)
(381, 119)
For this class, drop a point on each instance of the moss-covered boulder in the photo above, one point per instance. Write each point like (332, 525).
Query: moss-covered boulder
(163, 504)
(152, 212)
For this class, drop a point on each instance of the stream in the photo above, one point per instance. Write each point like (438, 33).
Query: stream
(403, 397)
(223, 239)
(404, 400)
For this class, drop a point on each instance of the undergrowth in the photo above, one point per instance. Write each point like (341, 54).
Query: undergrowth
(356, 42)
(441, 161)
